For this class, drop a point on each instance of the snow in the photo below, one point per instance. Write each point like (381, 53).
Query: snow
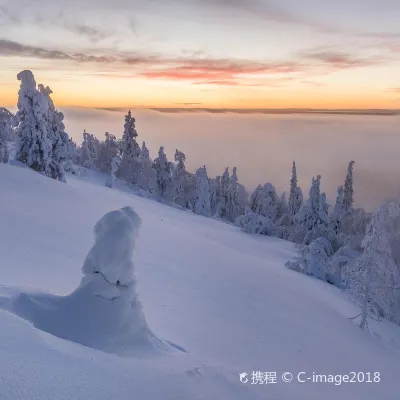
(222, 295)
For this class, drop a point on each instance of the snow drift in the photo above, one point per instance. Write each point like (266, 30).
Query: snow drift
(104, 312)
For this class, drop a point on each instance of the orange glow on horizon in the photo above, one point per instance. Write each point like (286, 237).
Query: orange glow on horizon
(144, 94)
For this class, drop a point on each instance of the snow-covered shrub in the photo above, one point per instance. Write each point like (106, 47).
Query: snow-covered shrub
(74, 169)
(254, 223)
(313, 259)
(338, 261)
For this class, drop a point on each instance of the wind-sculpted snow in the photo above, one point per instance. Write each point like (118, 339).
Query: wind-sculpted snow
(104, 312)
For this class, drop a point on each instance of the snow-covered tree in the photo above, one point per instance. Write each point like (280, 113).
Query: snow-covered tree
(130, 165)
(295, 195)
(322, 228)
(115, 163)
(264, 201)
(222, 186)
(236, 197)
(61, 145)
(163, 170)
(344, 202)
(338, 211)
(35, 148)
(178, 179)
(89, 152)
(108, 150)
(348, 192)
(323, 210)
(284, 209)
(308, 219)
(189, 191)
(5, 133)
(202, 204)
(253, 223)
(148, 175)
(373, 279)
(214, 186)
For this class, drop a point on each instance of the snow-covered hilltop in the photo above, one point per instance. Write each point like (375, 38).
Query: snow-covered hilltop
(222, 295)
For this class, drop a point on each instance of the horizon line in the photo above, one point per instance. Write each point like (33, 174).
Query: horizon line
(232, 110)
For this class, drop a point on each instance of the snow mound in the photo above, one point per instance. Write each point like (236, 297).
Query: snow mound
(104, 312)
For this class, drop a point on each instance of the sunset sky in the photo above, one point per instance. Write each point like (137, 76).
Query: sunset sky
(205, 53)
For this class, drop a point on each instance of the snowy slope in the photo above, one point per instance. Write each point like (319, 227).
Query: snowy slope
(222, 295)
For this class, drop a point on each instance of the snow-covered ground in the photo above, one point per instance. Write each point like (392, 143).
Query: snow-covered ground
(222, 295)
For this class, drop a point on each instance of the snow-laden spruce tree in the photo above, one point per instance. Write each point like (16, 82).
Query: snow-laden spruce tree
(338, 211)
(222, 187)
(295, 195)
(108, 151)
(202, 204)
(178, 179)
(148, 175)
(322, 229)
(130, 169)
(236, 198)
(373, 279)
(214, 184)
(89, 152)
(308, 218)
(163, 170)
(348, 191)
(35, 148)
(5, 134)
(189, 191)
(265, 201)
(283, 209)
(344, 203)
(61, 145)
(323, 210)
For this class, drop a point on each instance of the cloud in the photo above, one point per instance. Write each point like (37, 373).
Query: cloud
(8, 17)
(10, 48)
(58, 19)
(173, 68)
(220, 71)
(394, 90)
(267, 11)
(340, 60)
(194, 69)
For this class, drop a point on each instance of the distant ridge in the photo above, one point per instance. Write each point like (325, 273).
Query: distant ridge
(379, 112)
